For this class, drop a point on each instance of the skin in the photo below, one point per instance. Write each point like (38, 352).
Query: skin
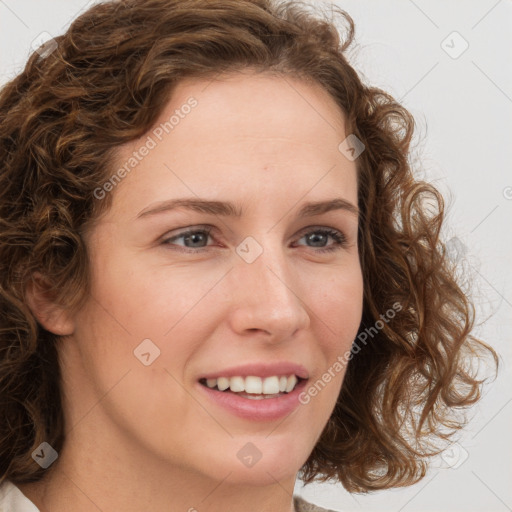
(144, 437)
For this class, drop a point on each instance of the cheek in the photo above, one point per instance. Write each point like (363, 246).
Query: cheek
(338, 308)
(340, 304)
(338, 313)
(170, 306)
(146, 300)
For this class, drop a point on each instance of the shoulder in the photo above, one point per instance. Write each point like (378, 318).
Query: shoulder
(13, 500)
(302, 505)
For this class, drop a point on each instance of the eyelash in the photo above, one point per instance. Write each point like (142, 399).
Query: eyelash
(338, 236)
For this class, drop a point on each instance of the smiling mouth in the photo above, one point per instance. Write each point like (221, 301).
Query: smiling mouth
(253, 387)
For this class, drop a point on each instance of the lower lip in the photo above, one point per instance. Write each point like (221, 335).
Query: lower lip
(267, 409)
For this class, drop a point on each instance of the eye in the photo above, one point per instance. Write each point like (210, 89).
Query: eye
(194, 236)
(318, 235)
(195, 239)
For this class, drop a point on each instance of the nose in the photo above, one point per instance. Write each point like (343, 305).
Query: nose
(267, 297)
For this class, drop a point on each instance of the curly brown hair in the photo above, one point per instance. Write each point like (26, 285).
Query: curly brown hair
(106, 82)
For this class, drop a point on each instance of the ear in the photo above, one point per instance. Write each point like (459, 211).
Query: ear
(53, 317)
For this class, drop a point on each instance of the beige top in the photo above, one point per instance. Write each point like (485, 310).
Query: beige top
(304, 506)
(13, 500)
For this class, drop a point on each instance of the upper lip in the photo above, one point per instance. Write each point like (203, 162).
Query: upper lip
(260, 370)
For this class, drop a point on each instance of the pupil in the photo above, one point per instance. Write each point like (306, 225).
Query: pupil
(316, 235)
(193, 237)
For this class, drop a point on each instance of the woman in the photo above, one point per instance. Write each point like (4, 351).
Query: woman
(316, 330)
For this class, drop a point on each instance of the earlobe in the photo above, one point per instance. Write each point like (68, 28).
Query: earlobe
(53, 317)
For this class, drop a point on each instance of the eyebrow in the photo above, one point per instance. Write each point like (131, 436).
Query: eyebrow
(228, 209)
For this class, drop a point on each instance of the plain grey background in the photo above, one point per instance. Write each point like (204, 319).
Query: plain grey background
(449, 64)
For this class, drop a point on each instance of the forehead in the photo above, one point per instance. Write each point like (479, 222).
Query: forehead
(275, 103)
(246, 133)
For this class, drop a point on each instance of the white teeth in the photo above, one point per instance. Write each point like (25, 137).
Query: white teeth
(211, 383)
(237, 384)
(255, 385)
(271, 385)
(222, 383)
(292, 380)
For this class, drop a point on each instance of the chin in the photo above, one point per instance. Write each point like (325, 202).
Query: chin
(260, 460)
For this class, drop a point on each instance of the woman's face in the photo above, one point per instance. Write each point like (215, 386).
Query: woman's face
(259, 296)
